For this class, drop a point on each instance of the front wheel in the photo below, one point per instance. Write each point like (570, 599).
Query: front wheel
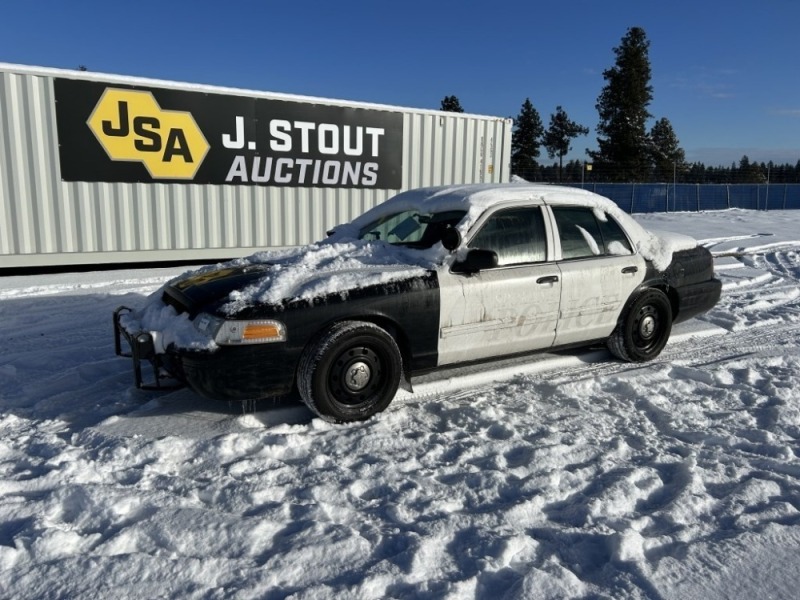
(350, 372)
(644, 328)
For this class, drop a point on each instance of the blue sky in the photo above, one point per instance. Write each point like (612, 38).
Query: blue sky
(726, 74)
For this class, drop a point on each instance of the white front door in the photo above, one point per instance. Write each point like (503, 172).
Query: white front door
(506, 309)
(497, 311)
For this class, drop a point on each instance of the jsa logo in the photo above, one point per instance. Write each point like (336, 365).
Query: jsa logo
(131, 126)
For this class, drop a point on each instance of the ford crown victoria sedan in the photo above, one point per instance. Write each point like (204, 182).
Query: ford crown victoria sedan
(429, 278)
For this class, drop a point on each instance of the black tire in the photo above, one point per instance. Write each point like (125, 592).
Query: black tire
(643, 328)
(350, 372)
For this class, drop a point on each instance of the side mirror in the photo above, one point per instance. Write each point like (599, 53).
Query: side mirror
(451, 238)
(476, 260)
(333, 229)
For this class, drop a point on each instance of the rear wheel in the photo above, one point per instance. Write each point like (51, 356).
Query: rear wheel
(350, 372)
(644, 328)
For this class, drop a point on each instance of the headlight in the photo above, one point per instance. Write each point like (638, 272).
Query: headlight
(233, 333)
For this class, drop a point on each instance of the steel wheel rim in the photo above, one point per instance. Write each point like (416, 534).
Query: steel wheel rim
(356, 375)
(647, 327)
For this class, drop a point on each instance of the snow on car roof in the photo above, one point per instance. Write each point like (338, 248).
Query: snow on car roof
(474, 199)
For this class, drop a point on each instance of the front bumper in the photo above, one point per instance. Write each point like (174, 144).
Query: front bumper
(241, 373)
(248, 372)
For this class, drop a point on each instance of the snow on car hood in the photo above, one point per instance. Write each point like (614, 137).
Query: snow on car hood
(329, 268)
(317, 270)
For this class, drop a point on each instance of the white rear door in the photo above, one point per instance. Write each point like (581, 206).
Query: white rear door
(599, 273)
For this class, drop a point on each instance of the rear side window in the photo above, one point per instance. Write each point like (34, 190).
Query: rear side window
(583, 234)
(517, 235)
(615, 239)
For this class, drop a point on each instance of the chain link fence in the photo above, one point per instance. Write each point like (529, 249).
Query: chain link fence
(682, 197)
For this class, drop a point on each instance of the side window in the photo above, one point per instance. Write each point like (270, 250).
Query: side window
(616, 241)
(583, 235)
(579, 233)
(517, 235)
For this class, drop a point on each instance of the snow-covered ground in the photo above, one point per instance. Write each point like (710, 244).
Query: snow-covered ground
(564, 475)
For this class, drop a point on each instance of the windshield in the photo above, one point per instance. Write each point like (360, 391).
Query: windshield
(411, 228)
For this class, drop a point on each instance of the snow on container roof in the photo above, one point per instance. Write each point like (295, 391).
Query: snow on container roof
(215, 89)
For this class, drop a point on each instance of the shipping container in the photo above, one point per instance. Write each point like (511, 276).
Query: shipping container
(99, 169)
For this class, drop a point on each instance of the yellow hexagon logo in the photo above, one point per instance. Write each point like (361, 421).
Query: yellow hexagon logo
(131, 126)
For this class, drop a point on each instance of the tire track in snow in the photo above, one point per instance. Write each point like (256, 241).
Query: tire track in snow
(786, 264)
(557, 369)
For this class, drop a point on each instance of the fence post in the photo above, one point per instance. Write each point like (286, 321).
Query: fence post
(785, 185)
(698, 197)
(633, 191)
(766, 198)
(728, 189)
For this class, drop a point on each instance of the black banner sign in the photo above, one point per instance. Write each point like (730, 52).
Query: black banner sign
(118, 133)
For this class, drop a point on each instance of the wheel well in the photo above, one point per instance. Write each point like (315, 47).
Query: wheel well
(672, 295)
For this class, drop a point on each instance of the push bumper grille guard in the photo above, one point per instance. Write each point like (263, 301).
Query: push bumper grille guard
(142, 348)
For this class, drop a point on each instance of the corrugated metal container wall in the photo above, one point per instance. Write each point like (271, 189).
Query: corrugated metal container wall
(47, 221)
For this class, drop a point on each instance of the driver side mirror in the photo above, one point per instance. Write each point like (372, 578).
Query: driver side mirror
(476, 260)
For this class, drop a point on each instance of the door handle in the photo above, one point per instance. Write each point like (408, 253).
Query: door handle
(630, 269)
(548, 279)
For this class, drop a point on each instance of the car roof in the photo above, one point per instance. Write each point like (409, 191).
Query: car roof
(475, 199)
(485, 195)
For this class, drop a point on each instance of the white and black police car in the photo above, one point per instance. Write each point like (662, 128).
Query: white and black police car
(431, 277)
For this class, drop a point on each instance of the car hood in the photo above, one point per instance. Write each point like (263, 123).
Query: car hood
(192, 293)
(315, 271)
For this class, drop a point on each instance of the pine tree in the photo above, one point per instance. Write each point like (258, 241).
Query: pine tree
(622, 106)
(667, 155)
(744, 170)
(525, 142)
(558, 137)
(697, 173)
(573, 171)
(451, 104)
